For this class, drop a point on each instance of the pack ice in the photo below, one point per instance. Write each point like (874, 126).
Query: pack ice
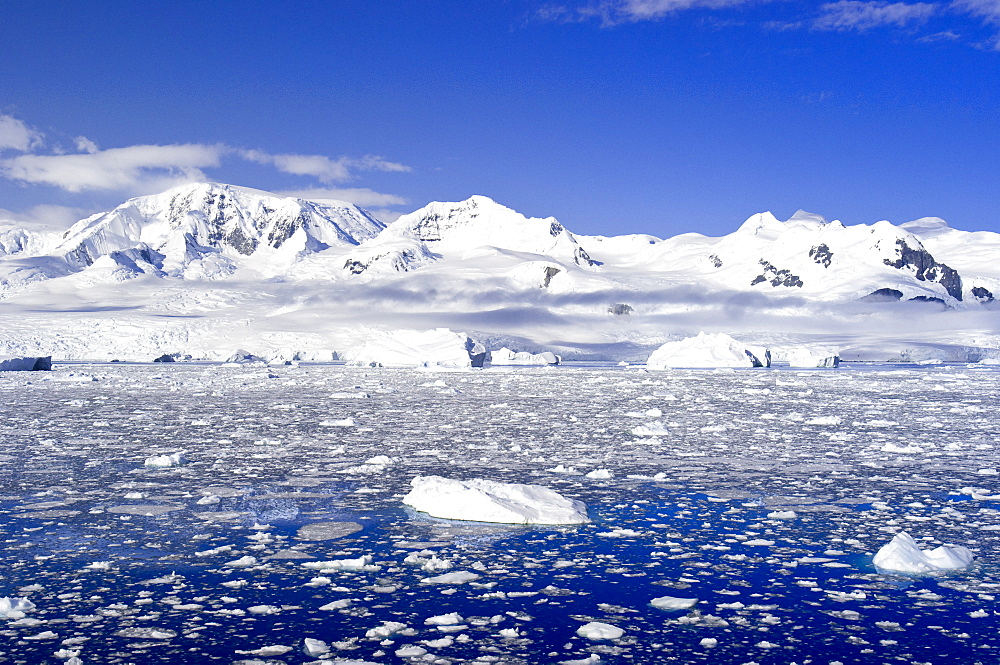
(708, 350)
(411, 348)
(902, 554)
(481, 500)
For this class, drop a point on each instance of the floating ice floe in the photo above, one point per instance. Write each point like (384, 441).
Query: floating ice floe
(25, 363)
(363, 562)
(14, 608)
(708, 350)
(596, 630)
(481, 500)
(505, 356)
(411, 348)
(902, 554)
(673, 603)
(165, 461)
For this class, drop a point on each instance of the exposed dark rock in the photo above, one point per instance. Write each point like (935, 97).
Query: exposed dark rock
(776, 277)
(429, 228)
(241, 242)
(582, 258)
(883, 295)
(716, 261)
(550, 272)
(620, 309)
(982, 294)
(555, 229)
(822, 255)
(355, 267)
(165, 358)
(926, 269)
(927, 299)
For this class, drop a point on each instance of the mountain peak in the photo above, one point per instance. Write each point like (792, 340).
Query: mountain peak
(191, 221)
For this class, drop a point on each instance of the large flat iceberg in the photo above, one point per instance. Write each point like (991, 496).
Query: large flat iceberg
(412, 348)
(489, 501)
(902, 554)
(708, 350)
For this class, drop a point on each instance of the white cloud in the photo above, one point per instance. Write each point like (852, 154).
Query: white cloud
(321, 167)
(360, 196)
(615, 12)
(15, 135)
(83, 144)
(45, 218)
(987, 9)
(863, 15)
(116, 168)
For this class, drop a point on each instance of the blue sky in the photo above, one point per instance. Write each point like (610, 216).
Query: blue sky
(615, 116)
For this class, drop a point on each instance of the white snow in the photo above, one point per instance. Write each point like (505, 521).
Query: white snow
(903, 554)
(490, 501)
(707, 350)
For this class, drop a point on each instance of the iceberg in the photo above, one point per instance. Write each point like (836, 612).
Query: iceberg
(25, 363)
(481, 500)
(903, 555)
(411, 348)
(807, 357)
(708, 350)
(505, 356)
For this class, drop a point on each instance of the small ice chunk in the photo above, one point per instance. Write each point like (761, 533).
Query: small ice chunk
(600, 474)
(782, 515)
(458, 577)
(327, 530)
(242, 562)
(592, 659)
(902, 554)
(314, 647)
(363, 562)
(336, 605)
(273, 650)
(8, 606)
(489, 501)
(673, 603)
(450, 619)
(165, 461)
(385, 630)
(596, 630)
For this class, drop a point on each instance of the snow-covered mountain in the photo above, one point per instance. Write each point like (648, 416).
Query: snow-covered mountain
(210, 268)
(478, 229)
(210, 230)
(811, 257)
